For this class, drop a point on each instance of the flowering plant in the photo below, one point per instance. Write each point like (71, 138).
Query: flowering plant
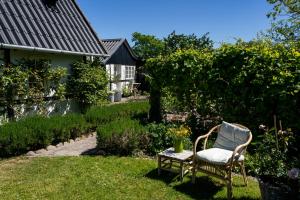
(180, 132)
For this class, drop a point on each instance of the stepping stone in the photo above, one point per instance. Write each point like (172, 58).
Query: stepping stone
(51, 147)
(30, 153)
(59, 145)
(41, 151)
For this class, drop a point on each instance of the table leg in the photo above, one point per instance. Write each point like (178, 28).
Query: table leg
(159, 165)
(181, 171)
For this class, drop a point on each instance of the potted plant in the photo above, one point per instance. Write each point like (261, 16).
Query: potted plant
(180, 135)
(111, 96)
(275, 165)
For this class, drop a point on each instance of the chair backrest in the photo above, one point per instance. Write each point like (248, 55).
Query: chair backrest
(231, 135)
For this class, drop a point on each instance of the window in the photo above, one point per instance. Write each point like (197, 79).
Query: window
(117, 70)
(129, 72)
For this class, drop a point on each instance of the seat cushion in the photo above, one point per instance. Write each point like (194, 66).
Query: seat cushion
(216, 156)
(230, 136)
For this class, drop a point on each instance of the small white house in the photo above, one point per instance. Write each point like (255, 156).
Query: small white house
(121, 63)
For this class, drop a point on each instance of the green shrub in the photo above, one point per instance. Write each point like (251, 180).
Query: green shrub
(121, 136)
(103, 114)
(88, 83)
(37, 132)
(159, 138)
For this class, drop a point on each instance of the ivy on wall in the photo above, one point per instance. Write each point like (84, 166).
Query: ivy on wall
(30, 82)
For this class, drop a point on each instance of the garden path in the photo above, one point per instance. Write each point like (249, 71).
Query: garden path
(82, 146)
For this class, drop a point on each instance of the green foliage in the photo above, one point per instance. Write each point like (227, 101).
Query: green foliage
(159, 138)
(286, 21)
(88, 83)
(146, 46)
(251, 82)
(30, 82)
(104, 114)
(13, 82)
(174, 42)
(126, 91)
(121, 136)
(273, 159)
(244, 82)
(38, 132)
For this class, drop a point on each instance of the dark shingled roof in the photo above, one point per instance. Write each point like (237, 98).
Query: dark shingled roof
(31, 24)
(112, 45)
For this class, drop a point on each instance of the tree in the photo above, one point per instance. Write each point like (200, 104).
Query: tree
(146, 46)
(155, 51)
(176, 42)
(286, 21)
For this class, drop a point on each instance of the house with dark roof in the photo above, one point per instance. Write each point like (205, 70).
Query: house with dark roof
(55, 30)
(121, 63)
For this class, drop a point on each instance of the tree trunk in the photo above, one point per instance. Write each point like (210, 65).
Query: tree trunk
(155, 114)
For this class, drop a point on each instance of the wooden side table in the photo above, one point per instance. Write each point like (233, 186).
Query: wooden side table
(175, 162)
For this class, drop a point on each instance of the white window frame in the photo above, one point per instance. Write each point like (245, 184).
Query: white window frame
(129, 72)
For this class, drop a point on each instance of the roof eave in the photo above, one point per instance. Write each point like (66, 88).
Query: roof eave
(37, 49)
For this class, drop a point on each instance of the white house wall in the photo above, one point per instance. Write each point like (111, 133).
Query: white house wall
(124, 82)
(52, 107)
(62, 60)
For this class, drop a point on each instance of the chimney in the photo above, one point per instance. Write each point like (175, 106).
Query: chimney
(50, 3)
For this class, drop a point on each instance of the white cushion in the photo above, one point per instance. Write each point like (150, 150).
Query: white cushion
(216, 156)
(230, 136)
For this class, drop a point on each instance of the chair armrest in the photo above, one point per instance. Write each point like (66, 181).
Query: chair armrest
(202, 137)
(239, 149)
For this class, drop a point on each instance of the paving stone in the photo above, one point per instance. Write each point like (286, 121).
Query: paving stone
(84, 146)
(30, 153)
(41, 151)
(51, 147)
(59, 145)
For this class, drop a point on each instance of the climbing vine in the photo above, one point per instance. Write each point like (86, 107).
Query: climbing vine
(30, 82)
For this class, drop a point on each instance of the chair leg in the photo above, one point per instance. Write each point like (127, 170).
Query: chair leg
(242, 166)
(229, 190)
(193, 173)
(229, 184)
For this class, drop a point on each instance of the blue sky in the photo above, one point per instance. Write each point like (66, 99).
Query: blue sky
(225, 20)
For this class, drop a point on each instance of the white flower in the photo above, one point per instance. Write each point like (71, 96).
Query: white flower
(294, 173)
(262, 127)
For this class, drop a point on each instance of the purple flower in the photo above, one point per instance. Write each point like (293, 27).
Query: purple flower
(294, 173)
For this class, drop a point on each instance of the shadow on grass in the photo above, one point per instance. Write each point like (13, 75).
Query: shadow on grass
(204, 187)
(90, 152)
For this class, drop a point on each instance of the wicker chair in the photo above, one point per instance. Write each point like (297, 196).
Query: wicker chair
(227, 153)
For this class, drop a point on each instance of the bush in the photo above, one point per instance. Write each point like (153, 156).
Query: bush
(38, 132)
(121, 136)
(88, 83)
(103, 114)
(159, 138)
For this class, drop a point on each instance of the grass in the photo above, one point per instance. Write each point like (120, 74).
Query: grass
(106, 178)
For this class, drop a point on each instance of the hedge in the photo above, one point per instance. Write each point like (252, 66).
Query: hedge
(37, 132)
(121, 136)
(104, 114)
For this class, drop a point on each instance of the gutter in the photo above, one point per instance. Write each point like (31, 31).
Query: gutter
(45, 50)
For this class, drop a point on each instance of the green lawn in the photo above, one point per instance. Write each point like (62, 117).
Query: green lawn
(106, 178)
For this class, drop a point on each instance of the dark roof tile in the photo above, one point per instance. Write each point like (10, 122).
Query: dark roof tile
(30, 23)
